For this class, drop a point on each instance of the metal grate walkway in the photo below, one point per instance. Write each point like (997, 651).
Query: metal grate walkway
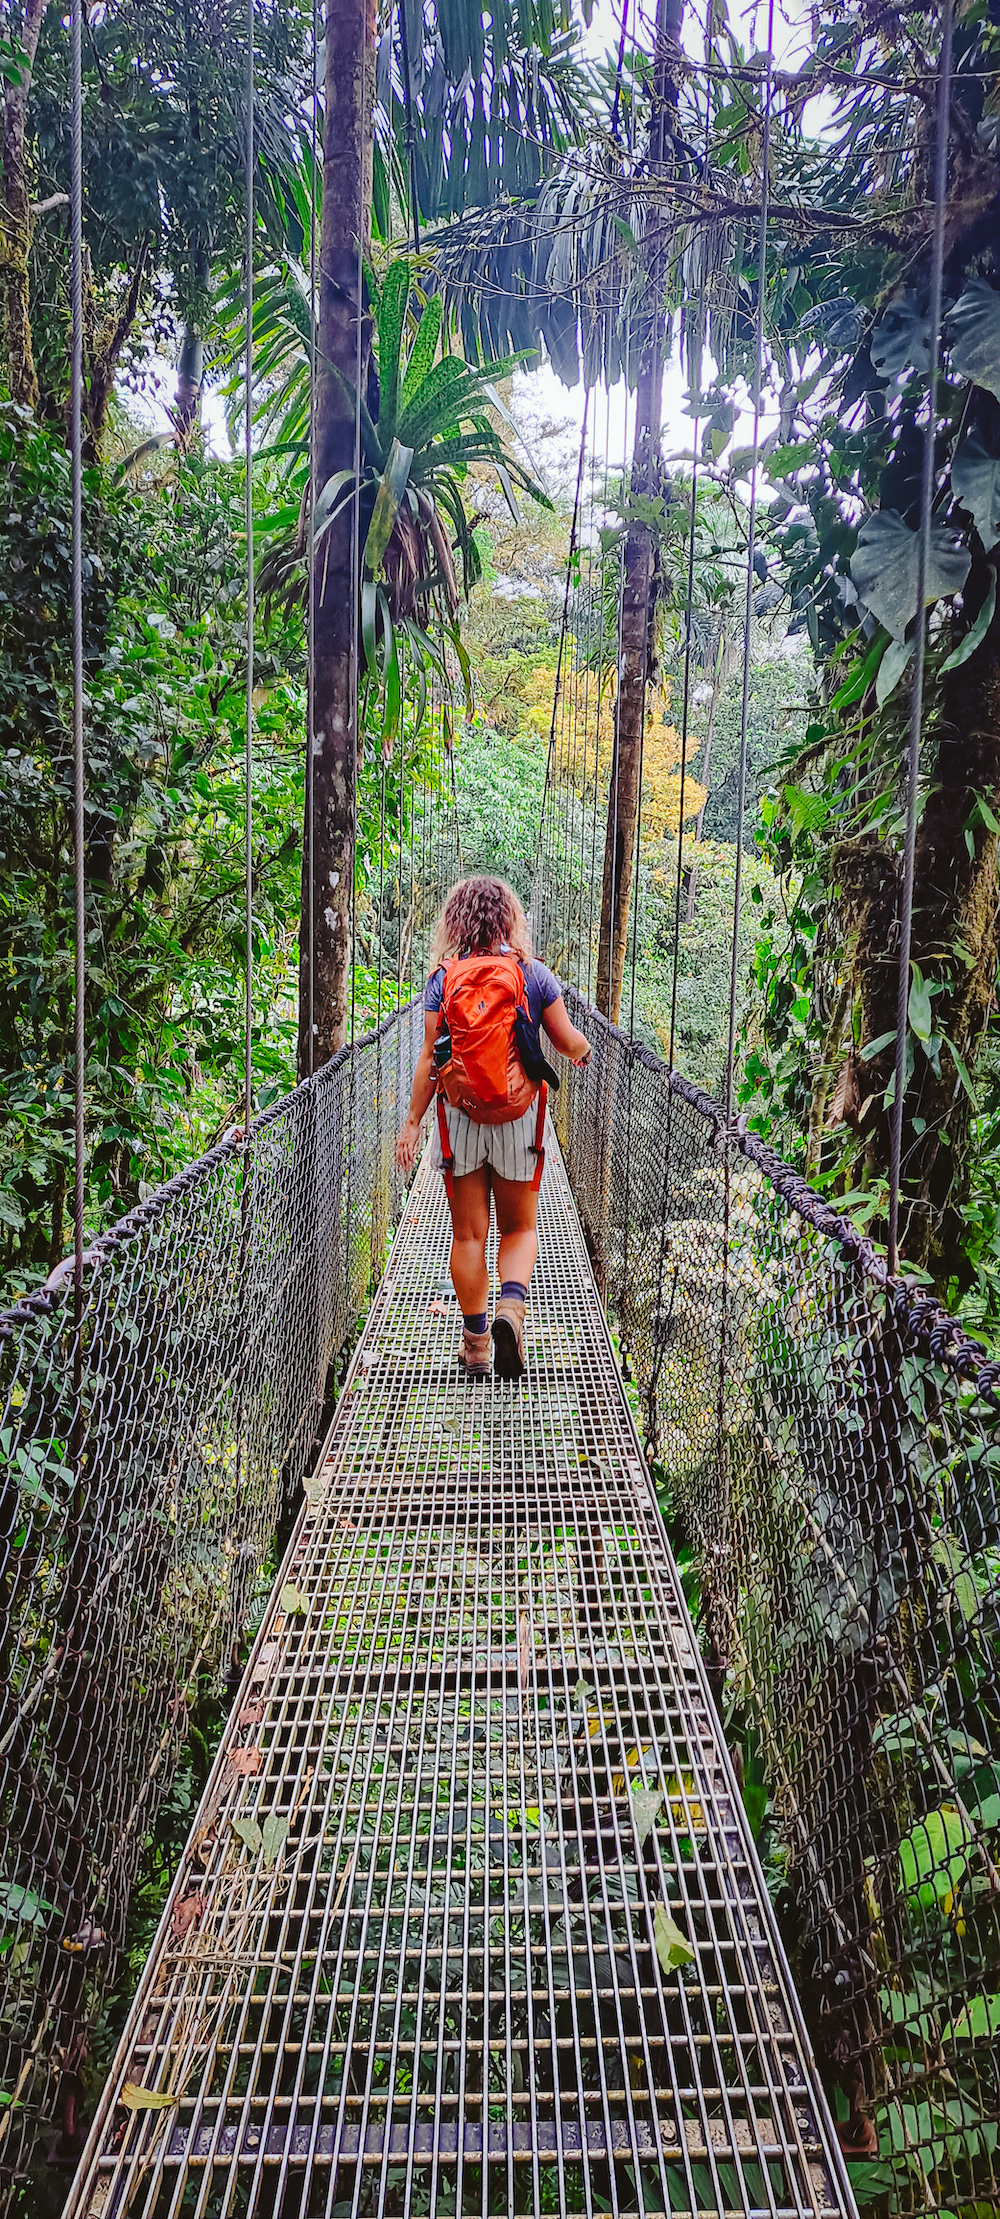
(469, 1920)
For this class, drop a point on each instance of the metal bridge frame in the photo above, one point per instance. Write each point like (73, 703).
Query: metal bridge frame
(470, 1918)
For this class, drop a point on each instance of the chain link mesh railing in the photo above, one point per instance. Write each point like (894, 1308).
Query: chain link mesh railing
(144, 1460)
(833, 1449)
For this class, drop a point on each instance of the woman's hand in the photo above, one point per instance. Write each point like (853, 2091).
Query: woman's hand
(407, 1141)
(566, 1037)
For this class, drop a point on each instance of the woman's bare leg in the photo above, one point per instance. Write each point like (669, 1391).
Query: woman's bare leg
(517, 1215)
(470, 1223)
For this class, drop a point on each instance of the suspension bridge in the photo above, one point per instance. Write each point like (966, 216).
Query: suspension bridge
(471, 1917)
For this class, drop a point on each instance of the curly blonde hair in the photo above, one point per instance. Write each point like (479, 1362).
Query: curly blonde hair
(478, 914)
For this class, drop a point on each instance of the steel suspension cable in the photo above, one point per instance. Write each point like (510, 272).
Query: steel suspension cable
(920, 636)
(354, 680)
(758, 379)
(584, 724)
(689, 619)
(597, 721)
(615, 755)
(250, 158)
(79, 765)
(659, 1344)
(563, 629)
(723, 1496)
(685, 725)
(411, 137)
(310, 795)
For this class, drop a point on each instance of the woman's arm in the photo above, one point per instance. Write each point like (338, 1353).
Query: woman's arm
(564, 1034)
(422, 1095)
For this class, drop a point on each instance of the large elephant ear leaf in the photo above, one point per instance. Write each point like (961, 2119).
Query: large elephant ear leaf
(975, 335)
(975, 482)
(391, 313)
(885, 562)
(901, 338)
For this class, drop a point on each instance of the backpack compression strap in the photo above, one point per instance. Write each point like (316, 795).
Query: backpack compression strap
(538, 1151)
(447, 1158)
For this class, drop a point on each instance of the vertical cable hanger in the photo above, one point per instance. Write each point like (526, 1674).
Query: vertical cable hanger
(411, 136)
(723, 1500)
(563, 630)
(250, 641)
(355, 673)
(920, 637)
(79, 767)
(310, 807)
(597, 720)
(584, 724)
(758, 379)
(618, 677)
(689, 604)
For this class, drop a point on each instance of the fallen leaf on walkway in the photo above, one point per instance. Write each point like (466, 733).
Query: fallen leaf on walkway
(524, 1647)
(145, 2099)
(273, 1833)
(672, 1947)
(244, 1763)
(252, 1715)
(249, 1833)
(437, 1310)
(646, 1804)
(292, 1602)
(186, 1914)
(265, 1664)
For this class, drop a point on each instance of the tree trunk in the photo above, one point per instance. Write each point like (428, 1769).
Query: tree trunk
(103, 353)
(325, 952)
(16, 354)
(638, 618)
(190, 375)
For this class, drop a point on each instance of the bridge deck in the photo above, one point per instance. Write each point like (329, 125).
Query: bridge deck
(470, 1920)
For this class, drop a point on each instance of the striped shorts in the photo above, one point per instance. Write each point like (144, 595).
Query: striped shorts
(507, 1149)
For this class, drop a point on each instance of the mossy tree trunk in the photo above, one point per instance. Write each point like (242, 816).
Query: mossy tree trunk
(956, 945)
(17, 362)
(325, 952)
(639, 568)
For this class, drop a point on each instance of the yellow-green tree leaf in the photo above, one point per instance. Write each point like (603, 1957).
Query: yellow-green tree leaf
(672, 1947)
(135, 2098)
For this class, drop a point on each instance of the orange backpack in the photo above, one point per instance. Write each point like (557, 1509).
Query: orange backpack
(483, 1073)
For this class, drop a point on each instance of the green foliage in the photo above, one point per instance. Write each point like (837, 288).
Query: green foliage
(530, 99)
(705, 953)
(500, 783)
(164, 132)
(164, 614)
(433, 422)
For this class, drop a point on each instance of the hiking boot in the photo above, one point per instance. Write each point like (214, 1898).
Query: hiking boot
(474, 1354)
(508, 1338)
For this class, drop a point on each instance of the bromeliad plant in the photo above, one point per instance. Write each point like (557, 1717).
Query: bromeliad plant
(427, 421)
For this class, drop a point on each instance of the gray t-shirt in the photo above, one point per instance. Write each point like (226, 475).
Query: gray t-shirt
(542, 987)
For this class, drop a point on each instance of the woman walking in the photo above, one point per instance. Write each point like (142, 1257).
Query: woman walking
(484, 1006)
